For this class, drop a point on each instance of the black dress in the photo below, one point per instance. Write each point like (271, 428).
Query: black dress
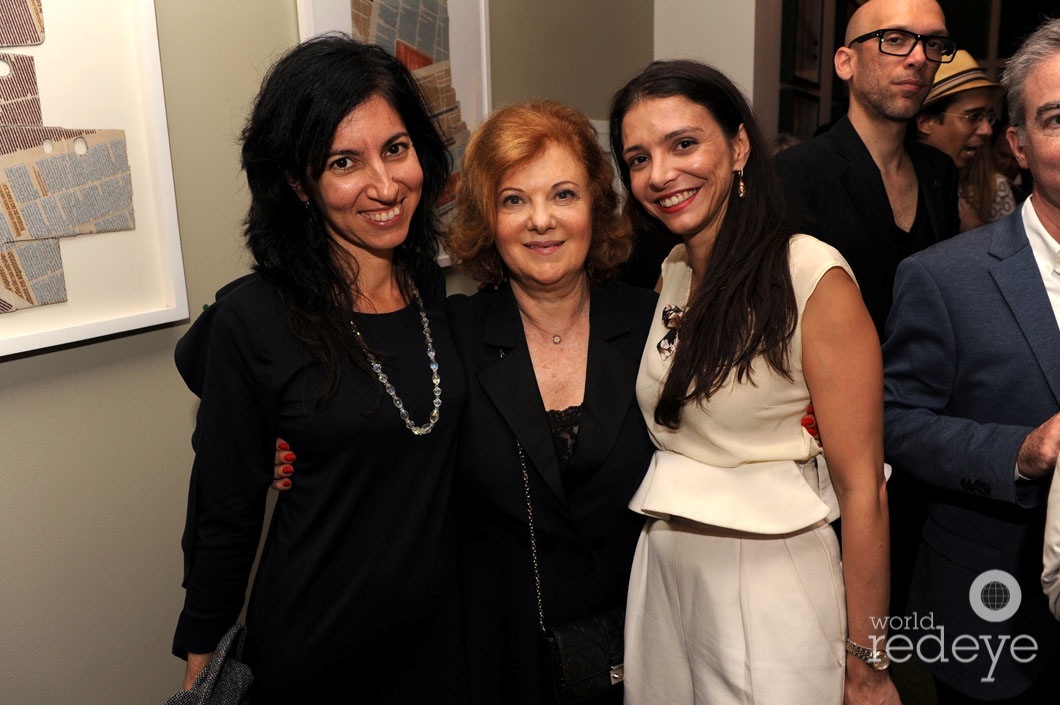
(356, 591)
(586, 534)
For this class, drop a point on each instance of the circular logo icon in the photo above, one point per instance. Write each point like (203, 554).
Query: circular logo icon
(995, 596)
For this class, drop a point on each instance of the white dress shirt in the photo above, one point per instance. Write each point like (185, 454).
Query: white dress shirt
(1047, 256)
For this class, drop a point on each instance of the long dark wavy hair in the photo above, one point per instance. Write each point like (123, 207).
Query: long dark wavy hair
(744, 305)
(303, 98)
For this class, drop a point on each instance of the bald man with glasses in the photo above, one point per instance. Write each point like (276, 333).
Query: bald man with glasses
(859, 187)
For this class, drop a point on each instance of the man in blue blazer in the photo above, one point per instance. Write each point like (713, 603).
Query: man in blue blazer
(972, 395)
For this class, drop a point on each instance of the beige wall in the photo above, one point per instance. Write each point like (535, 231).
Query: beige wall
(578, 51)
(720, 32)
(723, 33)
(96, 437)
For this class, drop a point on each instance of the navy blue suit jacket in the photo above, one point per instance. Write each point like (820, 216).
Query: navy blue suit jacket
(971, 366)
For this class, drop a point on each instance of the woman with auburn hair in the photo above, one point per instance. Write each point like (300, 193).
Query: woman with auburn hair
(737, 593)
(550, 346)
(512, 137)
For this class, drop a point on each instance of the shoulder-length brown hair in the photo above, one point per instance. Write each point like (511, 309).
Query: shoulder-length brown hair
(508, 139)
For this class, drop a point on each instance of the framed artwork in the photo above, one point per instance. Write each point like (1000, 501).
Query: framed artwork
(89, 244)
(468, 35)
(445, 43)
(802, 49)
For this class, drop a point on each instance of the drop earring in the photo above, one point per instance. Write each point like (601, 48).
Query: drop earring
(313, 228)
(741, 189)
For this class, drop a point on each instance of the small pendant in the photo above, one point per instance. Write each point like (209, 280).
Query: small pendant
(556, 339)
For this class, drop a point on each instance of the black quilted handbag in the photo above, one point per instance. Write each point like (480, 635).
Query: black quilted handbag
(582, 659)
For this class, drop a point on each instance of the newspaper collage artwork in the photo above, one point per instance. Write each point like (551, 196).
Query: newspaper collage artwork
(54, 182)
(417, 33)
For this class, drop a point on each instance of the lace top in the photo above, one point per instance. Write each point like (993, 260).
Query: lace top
(564, 424)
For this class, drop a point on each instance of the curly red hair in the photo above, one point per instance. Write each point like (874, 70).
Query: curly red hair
(508, 139)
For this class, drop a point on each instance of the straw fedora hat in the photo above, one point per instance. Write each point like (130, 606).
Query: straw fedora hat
(961, 74)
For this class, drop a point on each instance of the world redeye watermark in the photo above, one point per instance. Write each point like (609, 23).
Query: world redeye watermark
(994, 596)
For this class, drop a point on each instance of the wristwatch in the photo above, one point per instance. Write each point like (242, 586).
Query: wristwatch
(879, 660)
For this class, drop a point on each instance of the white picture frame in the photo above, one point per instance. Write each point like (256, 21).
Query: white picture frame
(469, 49)
(99, 68)
(469, 52)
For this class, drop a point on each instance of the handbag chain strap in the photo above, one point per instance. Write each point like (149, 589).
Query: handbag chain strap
(533, 538)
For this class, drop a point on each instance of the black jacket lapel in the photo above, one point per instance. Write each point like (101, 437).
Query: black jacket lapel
(932, 194)
(512, 387)
(609, 386)
(861, 177)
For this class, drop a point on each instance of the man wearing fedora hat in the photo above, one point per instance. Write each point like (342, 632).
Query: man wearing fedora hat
(957, 119)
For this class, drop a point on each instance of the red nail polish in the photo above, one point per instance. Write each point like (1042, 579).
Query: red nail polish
(284, 445)
(286, 470)
(288, 457)
(285, 484)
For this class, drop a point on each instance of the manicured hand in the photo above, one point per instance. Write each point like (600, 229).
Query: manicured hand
(809, 422)
(283, 469)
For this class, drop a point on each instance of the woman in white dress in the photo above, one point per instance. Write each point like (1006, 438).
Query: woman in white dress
(737, 593)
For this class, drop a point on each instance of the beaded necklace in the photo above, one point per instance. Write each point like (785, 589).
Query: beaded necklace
(411, 425)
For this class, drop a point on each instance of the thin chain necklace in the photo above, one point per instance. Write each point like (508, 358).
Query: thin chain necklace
(411, 425)
(557, 337)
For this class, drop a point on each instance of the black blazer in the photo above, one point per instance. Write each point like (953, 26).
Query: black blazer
(586, 534)
(834, 190)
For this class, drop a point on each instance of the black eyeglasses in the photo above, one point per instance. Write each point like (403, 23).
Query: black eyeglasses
(976, 117)
(898, 42)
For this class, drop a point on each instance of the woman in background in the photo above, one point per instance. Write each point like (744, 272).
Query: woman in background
(338, 343)
(737, 593)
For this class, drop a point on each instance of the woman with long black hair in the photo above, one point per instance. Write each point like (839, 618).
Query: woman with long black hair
(339, 343)
(737, 592)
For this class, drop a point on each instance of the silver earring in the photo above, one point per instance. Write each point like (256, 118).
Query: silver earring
(741, 189)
